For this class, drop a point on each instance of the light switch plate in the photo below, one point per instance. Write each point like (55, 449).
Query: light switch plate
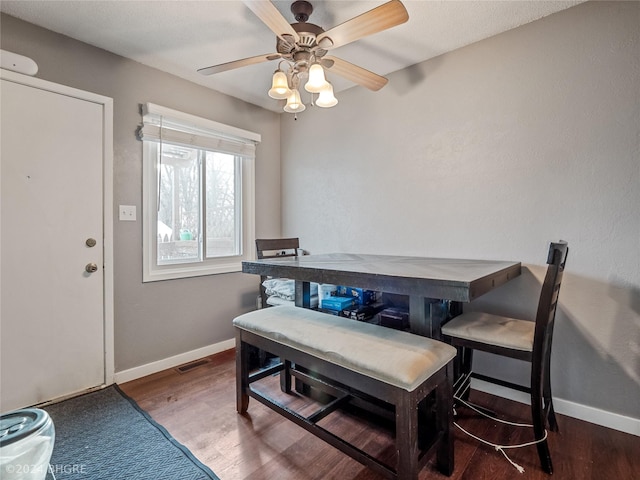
(128, 213)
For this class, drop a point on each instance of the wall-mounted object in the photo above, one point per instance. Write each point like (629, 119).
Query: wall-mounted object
(17, 63)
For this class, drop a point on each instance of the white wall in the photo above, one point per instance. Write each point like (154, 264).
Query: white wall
(492, 151)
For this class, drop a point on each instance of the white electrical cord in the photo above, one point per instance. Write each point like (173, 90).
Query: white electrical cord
(499, 448)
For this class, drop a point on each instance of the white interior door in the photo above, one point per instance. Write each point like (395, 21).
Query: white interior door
(52, 323)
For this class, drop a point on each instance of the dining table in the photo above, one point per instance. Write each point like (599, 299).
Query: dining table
(436, 287)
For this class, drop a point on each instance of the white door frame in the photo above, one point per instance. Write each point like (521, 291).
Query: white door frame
(107, 200)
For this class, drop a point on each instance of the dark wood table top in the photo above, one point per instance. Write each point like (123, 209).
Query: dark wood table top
(452, 279)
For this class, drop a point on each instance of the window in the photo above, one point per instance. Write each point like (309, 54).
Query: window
(198, 195)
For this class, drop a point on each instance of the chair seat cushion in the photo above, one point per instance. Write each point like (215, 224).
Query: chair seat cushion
(492, 330)
(391, 356)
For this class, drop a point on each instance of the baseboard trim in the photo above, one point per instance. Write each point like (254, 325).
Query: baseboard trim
(164, 364)
(565, 407)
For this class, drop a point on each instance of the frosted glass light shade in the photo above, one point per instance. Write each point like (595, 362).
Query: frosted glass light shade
(294, 103)
(326, 98)
(279, 86)
(316, 82)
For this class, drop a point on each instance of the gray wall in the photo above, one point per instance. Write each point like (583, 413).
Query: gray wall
(157, 320)
(490, 152)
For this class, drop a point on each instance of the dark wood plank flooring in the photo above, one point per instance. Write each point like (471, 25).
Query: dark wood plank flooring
(198, 408)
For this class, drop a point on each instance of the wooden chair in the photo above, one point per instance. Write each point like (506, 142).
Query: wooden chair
(274, 247)
(521, 339)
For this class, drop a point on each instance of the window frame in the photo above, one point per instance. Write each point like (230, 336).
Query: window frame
(152, 271)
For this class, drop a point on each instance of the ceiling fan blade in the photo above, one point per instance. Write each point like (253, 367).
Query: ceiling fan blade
(223, 67)
(352, 72)
(272, 18)
(380, 18)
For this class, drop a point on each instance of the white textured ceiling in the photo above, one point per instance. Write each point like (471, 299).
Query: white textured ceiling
(182, 36)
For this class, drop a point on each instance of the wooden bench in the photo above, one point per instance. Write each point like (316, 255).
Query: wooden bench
(356, 362)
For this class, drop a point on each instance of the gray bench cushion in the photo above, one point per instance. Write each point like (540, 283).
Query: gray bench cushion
(394, 357)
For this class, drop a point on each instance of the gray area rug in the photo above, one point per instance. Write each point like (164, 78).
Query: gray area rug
(105, 435)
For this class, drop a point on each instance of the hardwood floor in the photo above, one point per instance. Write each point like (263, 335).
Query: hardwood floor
(198, 408)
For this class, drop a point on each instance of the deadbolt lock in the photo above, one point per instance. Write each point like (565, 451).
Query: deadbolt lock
(91, 242)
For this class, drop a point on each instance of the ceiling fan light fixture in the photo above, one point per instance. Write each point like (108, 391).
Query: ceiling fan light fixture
(302, 48)
(326, 98)
(279, 86)
(317, 81)
(294, 103)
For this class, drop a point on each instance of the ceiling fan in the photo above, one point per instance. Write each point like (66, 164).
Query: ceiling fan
(303, 47)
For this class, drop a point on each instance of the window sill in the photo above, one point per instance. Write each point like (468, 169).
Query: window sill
(175, 272)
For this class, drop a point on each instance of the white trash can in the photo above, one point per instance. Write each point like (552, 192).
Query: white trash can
(26, 444)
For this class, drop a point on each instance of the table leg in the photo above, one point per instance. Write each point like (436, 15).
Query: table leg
(455, 309)
(303, 294)
(303, 299)
(462, 364)
(426, 315)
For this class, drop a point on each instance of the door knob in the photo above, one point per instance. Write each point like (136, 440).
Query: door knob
(91, 267)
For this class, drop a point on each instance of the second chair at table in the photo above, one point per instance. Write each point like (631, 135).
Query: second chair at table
(274, 247)
(520, 339)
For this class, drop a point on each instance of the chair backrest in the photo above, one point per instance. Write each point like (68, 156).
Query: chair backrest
(277, 247)
(274, 247)
(547, 305)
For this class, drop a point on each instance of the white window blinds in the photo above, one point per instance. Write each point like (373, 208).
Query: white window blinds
(161, 124)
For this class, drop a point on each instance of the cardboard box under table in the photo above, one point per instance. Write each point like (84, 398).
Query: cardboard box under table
(355, 363)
